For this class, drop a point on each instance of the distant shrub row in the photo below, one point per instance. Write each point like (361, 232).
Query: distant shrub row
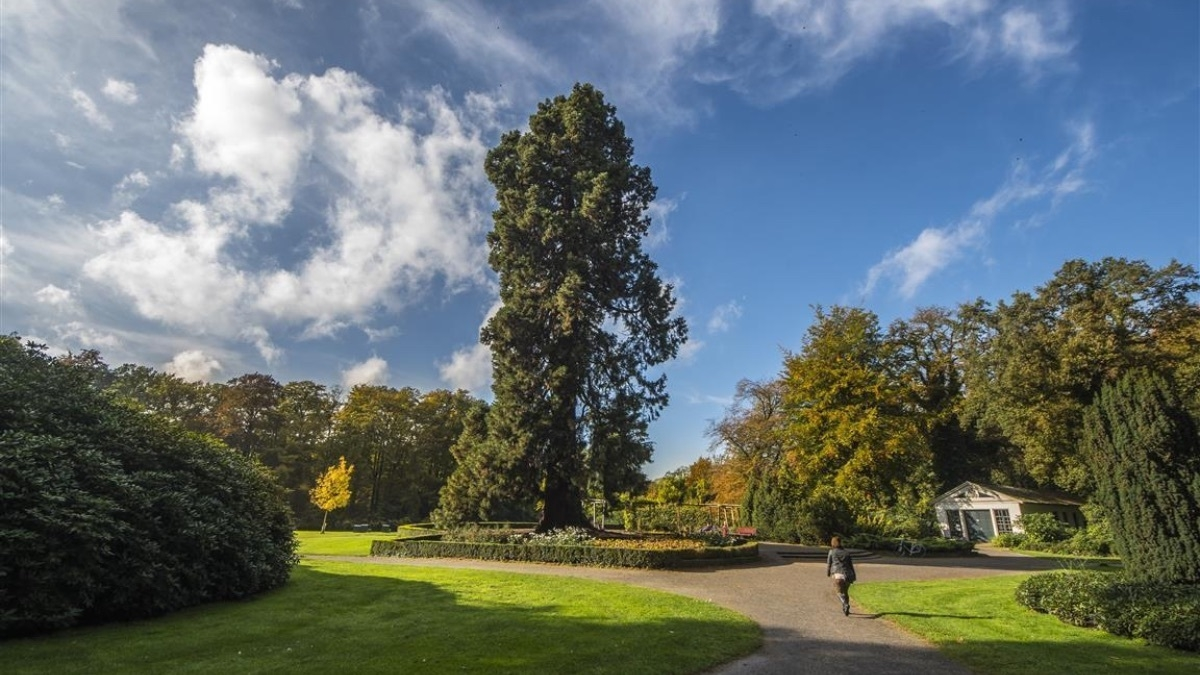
(933, 545)
(110, 514)
(567, 554)
(1160, 613)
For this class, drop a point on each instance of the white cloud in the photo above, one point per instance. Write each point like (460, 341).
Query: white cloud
(659, 212)
(193, 365)
(177, 277)
(5, 246)
(373, 371)
(127, 189)
(54, 296)
(62, 140)
(55, 201)
(689, 350)
(381, 334)
(120, 91)
(87, 106)
(812, 44)
(245, 126)
(724, 317)
(85, 336)
(408, 203)
(1033, 39)
(935, 249)
(262, 342)
(470, 368)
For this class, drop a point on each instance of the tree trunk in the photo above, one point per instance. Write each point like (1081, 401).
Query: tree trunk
(562, 507)
(323, 521)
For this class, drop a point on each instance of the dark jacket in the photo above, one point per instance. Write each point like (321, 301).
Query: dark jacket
(839, 561)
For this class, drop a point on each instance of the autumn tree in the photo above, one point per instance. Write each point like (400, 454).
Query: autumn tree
(584, 316)
(332, 490)
(850, 430)
(1038, 360)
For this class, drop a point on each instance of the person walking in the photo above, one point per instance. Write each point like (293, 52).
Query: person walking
(840, 566)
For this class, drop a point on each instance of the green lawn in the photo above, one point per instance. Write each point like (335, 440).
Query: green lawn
(338, 543)
(364, 618)
(977, 622)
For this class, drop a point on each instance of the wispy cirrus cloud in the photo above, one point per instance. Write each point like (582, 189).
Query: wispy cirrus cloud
(724, 317)
(935, 249)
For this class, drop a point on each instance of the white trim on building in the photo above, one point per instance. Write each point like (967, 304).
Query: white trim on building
(979, 511)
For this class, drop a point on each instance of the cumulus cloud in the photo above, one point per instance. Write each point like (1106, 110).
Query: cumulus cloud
(724, 317)
(244, 126)
(373, 371)
(87, 106)
(177, 277)
(87, 337)
(120, 91)
(689, 350)
(263, 343)
(5, 246)
(470, 368)
(407, 203)
(193, 365)
(935, 249)
(128, 187)
(54, 296)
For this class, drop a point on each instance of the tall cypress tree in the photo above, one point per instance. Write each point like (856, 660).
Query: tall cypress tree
(1144, 452)
(584, 314)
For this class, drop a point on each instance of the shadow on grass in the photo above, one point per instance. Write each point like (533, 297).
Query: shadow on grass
(880, 615)
(367, 618)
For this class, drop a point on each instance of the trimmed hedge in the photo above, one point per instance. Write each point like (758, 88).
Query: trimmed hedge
(1160, 613)
(592, 556)
(933, 545)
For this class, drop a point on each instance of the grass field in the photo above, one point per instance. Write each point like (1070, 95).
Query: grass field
(338, 543)
(367, 618)
(978, 623)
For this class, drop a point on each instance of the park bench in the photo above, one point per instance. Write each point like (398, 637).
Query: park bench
(746, 531)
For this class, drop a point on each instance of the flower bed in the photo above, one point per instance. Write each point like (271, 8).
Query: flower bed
(574, 546)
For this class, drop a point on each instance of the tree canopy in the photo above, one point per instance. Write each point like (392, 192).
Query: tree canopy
(584, 316)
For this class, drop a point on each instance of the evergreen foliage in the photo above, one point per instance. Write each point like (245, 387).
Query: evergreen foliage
(1144, 453)
(584, 314)
(112, 514)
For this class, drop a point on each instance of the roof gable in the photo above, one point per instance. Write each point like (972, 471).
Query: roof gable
(971, 489)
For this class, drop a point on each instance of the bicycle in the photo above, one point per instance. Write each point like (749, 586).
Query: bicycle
(913, 549)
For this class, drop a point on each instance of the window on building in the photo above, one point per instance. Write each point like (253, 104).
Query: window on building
(1003, 521)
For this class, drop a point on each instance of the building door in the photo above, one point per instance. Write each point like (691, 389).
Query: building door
(955, 523)
(979, 525)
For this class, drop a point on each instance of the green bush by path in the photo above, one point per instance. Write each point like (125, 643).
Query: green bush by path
(366, 618)
(979, 623)
(580, 554)
(1161, 613)
(112, 514)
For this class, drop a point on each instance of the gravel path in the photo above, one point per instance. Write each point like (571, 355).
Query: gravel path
(788, 595)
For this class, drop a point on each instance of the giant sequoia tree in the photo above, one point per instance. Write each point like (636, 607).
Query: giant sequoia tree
(584, 314)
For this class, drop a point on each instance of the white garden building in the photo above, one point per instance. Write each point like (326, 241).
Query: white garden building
(979, 511)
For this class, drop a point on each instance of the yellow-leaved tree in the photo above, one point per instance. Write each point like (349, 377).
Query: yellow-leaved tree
(332, 490)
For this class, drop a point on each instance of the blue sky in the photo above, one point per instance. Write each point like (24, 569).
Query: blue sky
(295, 187)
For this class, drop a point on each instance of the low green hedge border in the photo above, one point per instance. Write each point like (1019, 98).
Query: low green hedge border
(592, 556)
(933, 545)
(1160, 613)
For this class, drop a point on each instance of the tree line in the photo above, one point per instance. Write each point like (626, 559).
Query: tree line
(865, 425)
(399, 439)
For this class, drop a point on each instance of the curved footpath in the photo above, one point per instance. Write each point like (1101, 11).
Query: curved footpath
(788, 595)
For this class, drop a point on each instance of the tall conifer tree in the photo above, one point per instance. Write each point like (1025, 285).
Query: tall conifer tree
(1144, 453)
(584, 314)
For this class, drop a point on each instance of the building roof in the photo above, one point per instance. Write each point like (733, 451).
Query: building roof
(1016, 494)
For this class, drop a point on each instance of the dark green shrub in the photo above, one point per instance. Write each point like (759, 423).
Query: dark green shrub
(1008, 540)
(1144, 451)
(1160, 613)
(1044, 528)
(110, 514)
